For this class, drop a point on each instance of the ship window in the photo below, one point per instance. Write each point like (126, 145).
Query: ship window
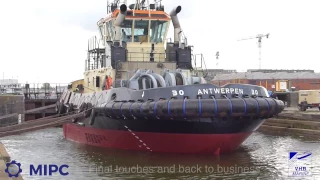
(157, 31)
(141, 15)
(106, 32)
(127, 30)
(108, 38)
(141, 30)
(102, 31)
(110, 29)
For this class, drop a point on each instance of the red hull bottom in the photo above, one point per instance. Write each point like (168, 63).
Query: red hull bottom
(155, 142)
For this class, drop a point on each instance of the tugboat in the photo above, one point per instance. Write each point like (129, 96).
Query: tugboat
(138, 95)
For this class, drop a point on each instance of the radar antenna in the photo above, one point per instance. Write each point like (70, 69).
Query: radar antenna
(158, 5)
(259, 36)
(140, 5)
(112, 6)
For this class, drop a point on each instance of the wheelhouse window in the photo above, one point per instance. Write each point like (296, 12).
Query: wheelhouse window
(106, 32)
(141, 28)
(158, 31)
(103, 31)
(127, 30)
(110, 29)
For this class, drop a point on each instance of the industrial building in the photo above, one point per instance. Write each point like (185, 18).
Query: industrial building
(273, 80)
(211, 73)
(10, 86)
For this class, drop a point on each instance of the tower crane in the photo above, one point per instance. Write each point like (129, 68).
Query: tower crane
(259, 37)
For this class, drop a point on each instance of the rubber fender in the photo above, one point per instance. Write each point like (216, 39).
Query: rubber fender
(62, 109)
(126, 109)
(272, 107)
(135, 110)
(195, 108)
(108, 109)
(145, 110)
(74, 120)
(92, 117)
(69, 108)
(116, 109)
(82, 107)
(88, 110)
(132, 110)
(57, 107)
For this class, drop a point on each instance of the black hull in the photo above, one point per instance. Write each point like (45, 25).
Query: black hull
(203, 126)
(191, 109)
(182, 119)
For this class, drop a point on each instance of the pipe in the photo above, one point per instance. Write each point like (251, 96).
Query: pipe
(184, 80)
(136, 75)
(176, 24)
(117, 23)
(153, 80)
(160, 79)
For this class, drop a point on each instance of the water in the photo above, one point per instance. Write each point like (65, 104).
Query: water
(260, 157)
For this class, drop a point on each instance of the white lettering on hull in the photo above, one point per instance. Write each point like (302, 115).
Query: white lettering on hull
(223, 91)
(175, 92)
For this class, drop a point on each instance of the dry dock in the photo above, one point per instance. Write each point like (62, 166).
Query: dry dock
(5, 158)
(294, 122)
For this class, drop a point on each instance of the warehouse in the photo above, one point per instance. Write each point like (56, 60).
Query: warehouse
(273, 79)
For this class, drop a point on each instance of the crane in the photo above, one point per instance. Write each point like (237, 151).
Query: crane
(259, 37)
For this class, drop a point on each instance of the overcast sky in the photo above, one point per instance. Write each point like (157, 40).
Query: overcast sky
(46, 41)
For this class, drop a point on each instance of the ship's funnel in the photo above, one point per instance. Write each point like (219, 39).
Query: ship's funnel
(119, 20)
(176, 24)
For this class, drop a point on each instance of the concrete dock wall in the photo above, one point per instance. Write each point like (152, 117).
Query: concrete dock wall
(11, 109)
(38, 103)
(4, 159)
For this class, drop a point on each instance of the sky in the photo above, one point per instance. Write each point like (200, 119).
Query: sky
(46, 41)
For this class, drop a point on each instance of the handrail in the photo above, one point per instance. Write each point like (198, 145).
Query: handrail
(134, 57)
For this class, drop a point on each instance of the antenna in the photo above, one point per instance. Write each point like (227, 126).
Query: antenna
(259, 37)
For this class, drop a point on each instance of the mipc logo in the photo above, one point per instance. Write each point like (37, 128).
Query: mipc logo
(14, 169)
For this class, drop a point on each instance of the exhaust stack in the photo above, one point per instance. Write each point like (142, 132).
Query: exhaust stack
(176, 24)
(117, 23)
